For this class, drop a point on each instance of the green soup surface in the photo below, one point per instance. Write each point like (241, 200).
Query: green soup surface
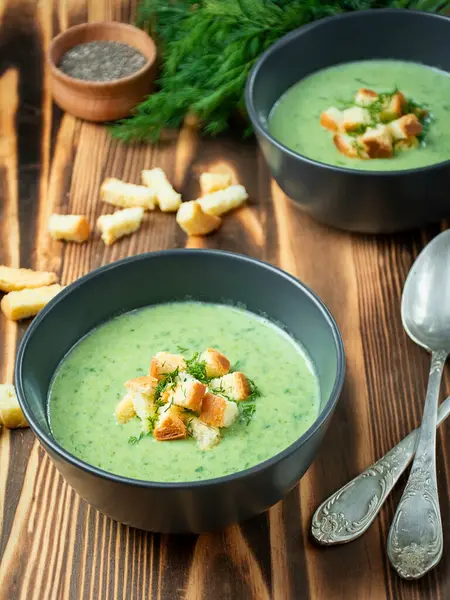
(90, 381)
(295, 118)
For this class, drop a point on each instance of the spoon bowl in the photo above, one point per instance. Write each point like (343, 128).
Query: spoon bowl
(426, 296)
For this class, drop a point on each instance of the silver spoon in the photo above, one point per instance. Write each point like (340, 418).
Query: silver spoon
(347, 514)
(415, 538)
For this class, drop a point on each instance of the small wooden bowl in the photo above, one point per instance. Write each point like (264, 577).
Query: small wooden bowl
(94, 100)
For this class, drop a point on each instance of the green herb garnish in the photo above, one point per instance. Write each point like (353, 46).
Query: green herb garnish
(182, 349)
(208, 48)
(254, 390)
(168, 382)
(247, 412)
(134, 439)
(197, 368)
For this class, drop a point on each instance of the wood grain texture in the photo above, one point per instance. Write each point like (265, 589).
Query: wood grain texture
(52, 544)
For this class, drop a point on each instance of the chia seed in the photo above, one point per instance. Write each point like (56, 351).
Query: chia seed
(101, 61)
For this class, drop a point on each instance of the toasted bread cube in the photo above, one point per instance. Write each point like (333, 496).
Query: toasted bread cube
(234, 385)
(71, 228)
(377, 142)
(122, 222)
(170, 425)
(354, 118)
(125, 409)
(393, 107)
(218, 411)
(127, 195)
(332, 119)
(194, 221)
(27, 303)
(223, 201)
(146, 384)
(216, 363)
(407, 144)
(143, 402)
(405, 127)
(11, 415)
(166, 197)
(365, 97)
(188, 393)
(350, 146)
(213, 182)
(205, 435)
(164, 362)
(13, 280)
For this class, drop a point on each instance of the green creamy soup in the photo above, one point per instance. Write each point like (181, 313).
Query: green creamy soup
(90, 381)
(295, 118)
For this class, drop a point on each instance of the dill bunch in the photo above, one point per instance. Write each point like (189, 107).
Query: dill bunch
(208, 48)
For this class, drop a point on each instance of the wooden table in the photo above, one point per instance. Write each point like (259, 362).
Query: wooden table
(52, 544)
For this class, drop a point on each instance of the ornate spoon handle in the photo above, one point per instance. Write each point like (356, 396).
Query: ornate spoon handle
(347, 514)
(415, 539)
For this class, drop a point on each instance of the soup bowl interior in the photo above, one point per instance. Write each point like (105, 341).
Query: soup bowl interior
(357, 200)
(155, 278)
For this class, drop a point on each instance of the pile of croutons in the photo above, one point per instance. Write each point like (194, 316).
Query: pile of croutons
(197, 217)
(181, 398)
(376, 125)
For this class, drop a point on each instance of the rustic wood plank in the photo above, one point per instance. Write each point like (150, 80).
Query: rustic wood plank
(54, 546)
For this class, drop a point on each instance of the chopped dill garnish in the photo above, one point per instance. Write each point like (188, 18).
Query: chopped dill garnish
(247, 412)
(134, 439)
(255, 392)
(221, 392)
(197, 368)
(168, 382)
(182, 349)
(237, 365)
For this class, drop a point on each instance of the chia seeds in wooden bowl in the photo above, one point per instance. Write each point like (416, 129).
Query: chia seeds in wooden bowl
(101, 61)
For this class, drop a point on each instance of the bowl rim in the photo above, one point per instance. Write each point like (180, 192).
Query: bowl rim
(50, 442)
(285, 40)
(100, 85)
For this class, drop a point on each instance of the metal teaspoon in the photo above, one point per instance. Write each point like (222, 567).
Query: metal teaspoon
(348, 513)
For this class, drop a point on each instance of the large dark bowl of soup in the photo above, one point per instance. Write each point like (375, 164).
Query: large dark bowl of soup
(323, 65)
(104, 328)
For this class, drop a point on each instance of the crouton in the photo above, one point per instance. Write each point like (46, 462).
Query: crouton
(216, 363)
(127, 195)
(71, 228)
(166, 197)
(393, 107)
(142, 392)
(223, 201)
(213, 182)
(194, 221)
(365, 97)
(27, 303)
(354, 118)
(332, 119)
(170, 425)
(407, 144)
(125, 409)
(164, 362)
(234, 385)
(146, 384)
(377, 142)
(187, 393)
(11, 415)
(205, 435)
(217, 411)
(405, 127)
(13, 280)
(350, 146)
(122, 222)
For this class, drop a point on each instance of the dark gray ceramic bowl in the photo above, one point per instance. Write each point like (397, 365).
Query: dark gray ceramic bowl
(160, 277)
(369, 201)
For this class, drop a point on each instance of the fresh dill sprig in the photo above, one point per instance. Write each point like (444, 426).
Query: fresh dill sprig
(168, 382)
(182, 349)
(255, 392)
(208, 48)
(197, 369)
(247, 413)
(134, 439)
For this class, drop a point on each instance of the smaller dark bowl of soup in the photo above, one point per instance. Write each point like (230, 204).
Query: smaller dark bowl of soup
(103, 330)
(324, 65)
